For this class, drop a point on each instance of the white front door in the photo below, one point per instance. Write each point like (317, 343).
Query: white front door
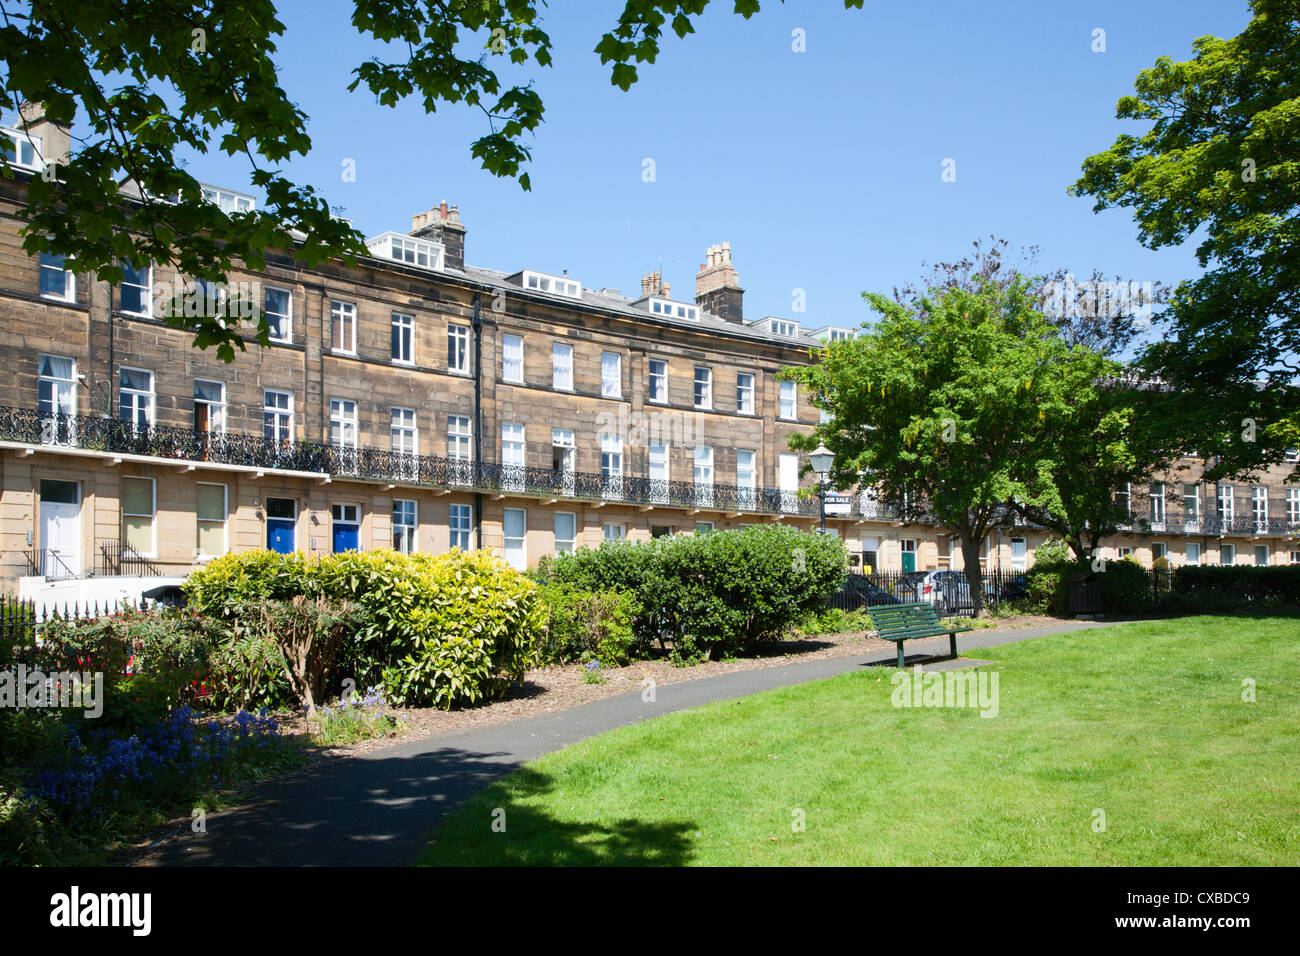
(60, 529)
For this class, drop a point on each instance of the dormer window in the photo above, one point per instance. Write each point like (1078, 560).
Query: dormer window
(227, 200)
(783, 327)
(673, 310)
(420, 253)
(556, 285)
(27, 150)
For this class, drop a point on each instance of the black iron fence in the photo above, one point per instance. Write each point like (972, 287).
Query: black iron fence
(948, 590)
(17, 624)
(20, 617)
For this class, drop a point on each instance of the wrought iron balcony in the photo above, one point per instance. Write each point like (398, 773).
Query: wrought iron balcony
(1275, 525)
(115, 436)
(112, 435)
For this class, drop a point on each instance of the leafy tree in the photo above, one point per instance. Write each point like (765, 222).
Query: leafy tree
(1219, 161)
(155, 77)
(1102, 432)
(1104, 315)
(940, 404)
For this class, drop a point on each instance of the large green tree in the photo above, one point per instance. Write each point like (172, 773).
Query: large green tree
(940, 405)
(151, 79)
(1104, 431)
(1219, 161)
(1112, 430)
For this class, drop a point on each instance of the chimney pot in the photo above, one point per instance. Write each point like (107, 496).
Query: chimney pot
(442, 224)
(717, 287)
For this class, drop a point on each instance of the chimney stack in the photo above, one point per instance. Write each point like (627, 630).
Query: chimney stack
(654, 284)
(717, 287)
(442, 224)
(56, 137)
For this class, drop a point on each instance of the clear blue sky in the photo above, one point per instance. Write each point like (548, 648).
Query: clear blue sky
(821, 168)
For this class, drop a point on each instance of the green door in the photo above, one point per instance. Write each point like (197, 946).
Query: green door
(909, 560)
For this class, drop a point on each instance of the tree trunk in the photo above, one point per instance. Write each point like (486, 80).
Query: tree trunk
(970, 553)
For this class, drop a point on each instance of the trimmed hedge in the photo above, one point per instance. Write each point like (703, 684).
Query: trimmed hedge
(1272, 583)
(1126, 588)
(713, 593)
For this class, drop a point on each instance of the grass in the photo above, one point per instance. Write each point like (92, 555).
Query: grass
(1144, 721)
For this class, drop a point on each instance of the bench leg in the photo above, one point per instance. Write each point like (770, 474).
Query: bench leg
(952, 644)
(901, 665)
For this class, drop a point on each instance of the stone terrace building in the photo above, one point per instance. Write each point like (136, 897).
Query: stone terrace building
(417, 402)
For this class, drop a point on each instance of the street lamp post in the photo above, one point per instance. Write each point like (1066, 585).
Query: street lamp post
(821, 459)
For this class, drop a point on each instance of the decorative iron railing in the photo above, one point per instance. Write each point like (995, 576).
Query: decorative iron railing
(51, 564)
(112, 435)
(116, 557)
(1171, 522)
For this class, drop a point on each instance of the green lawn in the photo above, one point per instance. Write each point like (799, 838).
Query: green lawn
(1143, 721)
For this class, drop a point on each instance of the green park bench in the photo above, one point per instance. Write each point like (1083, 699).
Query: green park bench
(903, 622)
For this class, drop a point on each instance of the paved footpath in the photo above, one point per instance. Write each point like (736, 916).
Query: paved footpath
(377, 809)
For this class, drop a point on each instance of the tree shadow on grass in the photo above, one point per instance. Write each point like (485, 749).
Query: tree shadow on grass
(505, 827)
(378, 810)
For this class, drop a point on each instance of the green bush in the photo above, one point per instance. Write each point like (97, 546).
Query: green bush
(150, 660)
(1210, 602)
(1046, 581)
(24, 822)
(833, 620)
(716, 593)
(588, 625)
(247, 672)
(309, 633)
(444, 629)
(1126, 588)
(222, 586)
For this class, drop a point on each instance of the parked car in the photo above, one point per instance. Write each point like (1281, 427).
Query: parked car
(954, 588)
(862, 592)
(948, 591)
(168, 595)
(1014, 588)
(908, 586)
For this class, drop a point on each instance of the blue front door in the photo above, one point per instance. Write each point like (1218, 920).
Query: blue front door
(347, 527)
(281, 516)
(279, 535)
(345, 537)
